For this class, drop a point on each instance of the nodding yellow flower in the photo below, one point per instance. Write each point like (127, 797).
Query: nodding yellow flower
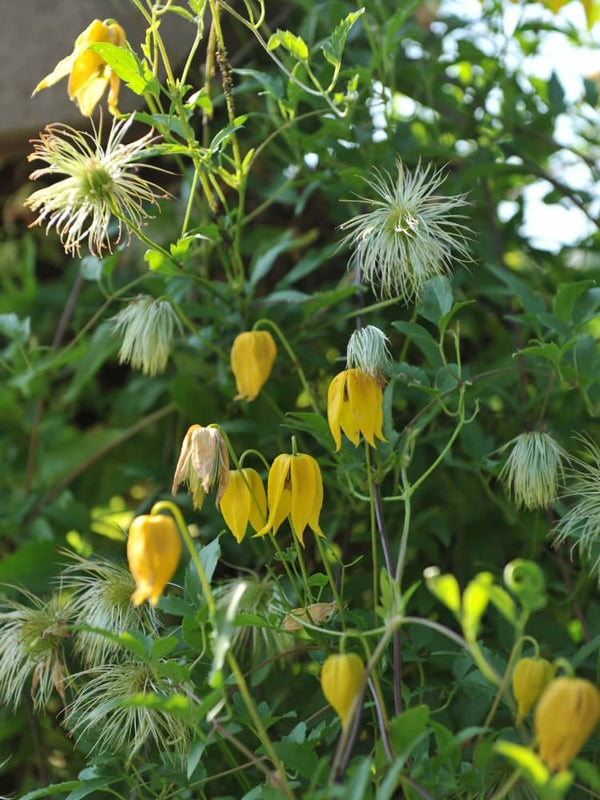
(203, 461)
(355, 406)
(342, 678)
(294, 490)
(252, 357)
(530, 678)
(153, 552)
(89, 74)
(564, 719)
(240, 505)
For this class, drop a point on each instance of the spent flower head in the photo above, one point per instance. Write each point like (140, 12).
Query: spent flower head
(31, 647)
(105, 712)
(410, 235)
(533, 469)
(101, 598)
(147, 327)
(367, 350)
(98, 183)
(581, 523)
(203, 462)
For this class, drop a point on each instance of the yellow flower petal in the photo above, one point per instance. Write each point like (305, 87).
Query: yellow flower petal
(235, 505)
(258, 503)
(153, 552)
(252, 356)
(278, 494)
(366, 400)
(303, 482)
(335, 400)
(341, 681)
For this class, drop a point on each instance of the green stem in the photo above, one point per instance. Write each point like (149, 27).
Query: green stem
(334, 590)
(292, 356)
(308, 598)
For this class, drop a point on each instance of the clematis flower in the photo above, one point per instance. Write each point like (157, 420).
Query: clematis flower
(88, 72)
(530, 678)
(342, 678)
(355, 406)
(252, 357)
(565, 716)
(533, 470)
(203, 461)
(294, 490)
(153, 552)
(240, 505)
(99, 184)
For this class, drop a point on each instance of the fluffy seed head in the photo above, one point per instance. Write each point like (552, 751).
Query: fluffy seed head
(147, 327)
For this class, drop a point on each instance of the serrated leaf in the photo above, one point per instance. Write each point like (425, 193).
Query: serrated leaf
(333, 48)
(128, 67)
(295, 45)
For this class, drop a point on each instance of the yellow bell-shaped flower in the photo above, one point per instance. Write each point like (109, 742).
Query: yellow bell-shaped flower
(153, 552)
(530, 678)
(244, 501)
(564, 718)
(89, 74)
(294, 490)
(342, 679)
(252, 357)
(355, 406)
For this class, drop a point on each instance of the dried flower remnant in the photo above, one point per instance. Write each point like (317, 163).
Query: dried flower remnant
(244, 501)
(355, 406)
(100, 184)
(410, 235)
(315, 614)
(147, 327)
(252, 357)
(88, 72)
(368, 351)
(294, 490)
(31, 647)
(533, 469)
(564, 719)
(203, 462)
(153, 553)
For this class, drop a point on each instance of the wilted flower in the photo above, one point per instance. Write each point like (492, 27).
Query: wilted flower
(367, 350)
(355, 406)
(153, 553)
(100, 183)
(294, 490)
(533, 469)
(342, 679)
(147, 327)
(581, 524)
(564, 719)
(203, 461)
(252, 357)
(102, 599)
(106, 711)
(89, 74)
(315, 613)
(244, 500)
(409, 235)
(31, 646)
(530, 678)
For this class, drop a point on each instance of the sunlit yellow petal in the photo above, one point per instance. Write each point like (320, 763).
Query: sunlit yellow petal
(235, 505)
(252, 356)
(279, 496)
(366, 400)
(153, 552)
(89, 94)
(258, 502)
(303, 492)
(60, 71)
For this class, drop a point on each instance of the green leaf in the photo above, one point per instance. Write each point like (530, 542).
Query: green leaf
(295, 45)
(194, 756)
(128, 67)
(90, 786)
(163, 646)
(38, 794)
(298, 757)
(565, 297)
(160, 263)
(333, 48)
(407, 729)
(423, 339)
(444, 587)
(313, 424)
(435, 300)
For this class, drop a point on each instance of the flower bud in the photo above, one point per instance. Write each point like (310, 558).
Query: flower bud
(564, 719)
(147, 327)
(153, 552)
(342, 678)
(252, 357)
(530, 678)
(533, 469)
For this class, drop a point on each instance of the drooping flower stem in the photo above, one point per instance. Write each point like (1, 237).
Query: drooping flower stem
(307, 590)
(334, 589)
(292, 356)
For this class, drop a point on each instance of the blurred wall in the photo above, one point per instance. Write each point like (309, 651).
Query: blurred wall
(35, 35)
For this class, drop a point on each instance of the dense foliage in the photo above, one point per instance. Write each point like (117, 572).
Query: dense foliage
(302, 282)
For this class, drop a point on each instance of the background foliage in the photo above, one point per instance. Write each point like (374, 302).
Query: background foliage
(88, 443)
